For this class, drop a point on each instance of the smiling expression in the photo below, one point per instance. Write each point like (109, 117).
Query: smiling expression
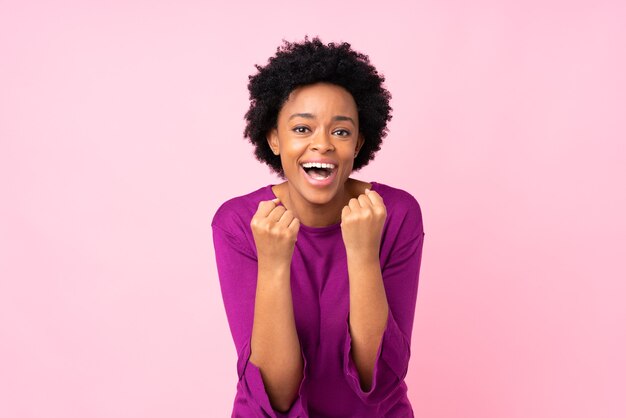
(318, 123)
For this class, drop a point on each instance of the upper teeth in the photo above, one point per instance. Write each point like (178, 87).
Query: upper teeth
(318, 165)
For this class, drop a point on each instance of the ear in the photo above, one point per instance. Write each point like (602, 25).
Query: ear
(272, 140)
(359, 143)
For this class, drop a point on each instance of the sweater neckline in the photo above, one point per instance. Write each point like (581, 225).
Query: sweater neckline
(317, 229)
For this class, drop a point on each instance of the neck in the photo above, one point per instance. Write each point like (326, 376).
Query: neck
(321, 214)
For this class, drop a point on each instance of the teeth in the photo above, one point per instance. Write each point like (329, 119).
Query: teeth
(318, 165)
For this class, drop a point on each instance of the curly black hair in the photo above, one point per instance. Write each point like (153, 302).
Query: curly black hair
(309, 62)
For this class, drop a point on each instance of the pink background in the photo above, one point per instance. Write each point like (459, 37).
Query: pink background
(121, 133)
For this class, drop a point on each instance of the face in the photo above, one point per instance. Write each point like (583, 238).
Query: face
(318, 123)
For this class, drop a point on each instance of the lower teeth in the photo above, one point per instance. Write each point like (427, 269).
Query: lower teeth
(319, 176)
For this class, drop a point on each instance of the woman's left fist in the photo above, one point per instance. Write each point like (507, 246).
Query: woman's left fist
(362, 222)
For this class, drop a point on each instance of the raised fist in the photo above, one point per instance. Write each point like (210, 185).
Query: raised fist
(275, 230)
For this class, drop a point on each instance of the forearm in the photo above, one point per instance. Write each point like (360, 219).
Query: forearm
(368, 311)
(275, 345)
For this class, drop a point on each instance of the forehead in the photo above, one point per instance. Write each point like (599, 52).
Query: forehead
(320, 98)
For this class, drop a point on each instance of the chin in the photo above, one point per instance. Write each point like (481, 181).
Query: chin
(319, 196)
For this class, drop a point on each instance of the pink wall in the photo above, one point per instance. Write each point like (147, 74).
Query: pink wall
(121, 133)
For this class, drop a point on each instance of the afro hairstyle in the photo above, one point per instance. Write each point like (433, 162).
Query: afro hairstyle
(309, 62)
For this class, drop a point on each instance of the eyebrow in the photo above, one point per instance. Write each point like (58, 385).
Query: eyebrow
(311, 116)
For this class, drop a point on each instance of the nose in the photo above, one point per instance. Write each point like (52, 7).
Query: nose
(321, 142)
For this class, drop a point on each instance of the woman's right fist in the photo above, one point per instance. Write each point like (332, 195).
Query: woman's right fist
(275, 230)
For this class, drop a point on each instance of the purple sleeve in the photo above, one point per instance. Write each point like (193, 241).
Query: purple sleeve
(237, 271)
(400, 276)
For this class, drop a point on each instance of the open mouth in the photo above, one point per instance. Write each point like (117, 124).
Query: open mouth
(318, 171)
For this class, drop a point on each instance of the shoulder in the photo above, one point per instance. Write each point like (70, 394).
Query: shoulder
(234, 215)
(404, 212)
(398, 200)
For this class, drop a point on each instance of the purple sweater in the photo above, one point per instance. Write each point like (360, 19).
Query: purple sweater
(321, 303)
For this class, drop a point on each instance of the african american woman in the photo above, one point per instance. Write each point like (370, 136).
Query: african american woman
(319, 274)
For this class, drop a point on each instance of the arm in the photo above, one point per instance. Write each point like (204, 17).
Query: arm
(368, 312)
(382, 304)
(246, 287)
(386, 365)
(276, 348)
(275, 345)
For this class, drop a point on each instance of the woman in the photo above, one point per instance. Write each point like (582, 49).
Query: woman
(319, 274)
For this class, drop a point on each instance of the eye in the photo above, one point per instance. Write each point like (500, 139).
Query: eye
(299, 127)
(343, 130)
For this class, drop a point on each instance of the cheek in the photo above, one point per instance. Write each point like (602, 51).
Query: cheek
(348, 166)
(290, 165)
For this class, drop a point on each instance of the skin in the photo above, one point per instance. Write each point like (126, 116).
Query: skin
(275, 345)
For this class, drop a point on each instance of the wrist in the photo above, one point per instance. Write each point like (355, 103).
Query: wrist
(363, 255)
(275, 264)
